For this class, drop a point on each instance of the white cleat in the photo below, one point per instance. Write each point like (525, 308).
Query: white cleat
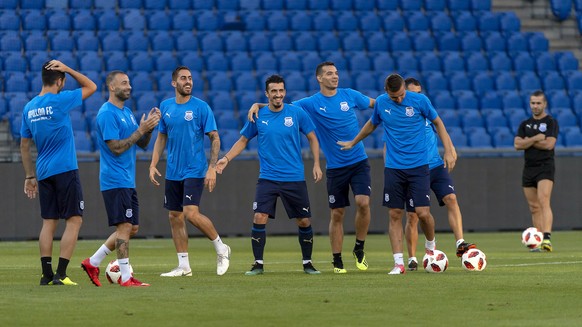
(223, 261)
(397, 270)
(177, 272)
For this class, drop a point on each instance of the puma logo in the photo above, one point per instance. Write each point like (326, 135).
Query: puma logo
(266, 122)
(258, 239)
(308, 241)
(305, 209)
(189, 197)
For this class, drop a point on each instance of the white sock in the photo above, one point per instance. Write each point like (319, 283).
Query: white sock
(431, 245)
(183, 261)
(459, 241)
(259, 261)
(411, 259)
(124, 268)
(99, 255)
(306, 261)
(218, 245)
(398, 258)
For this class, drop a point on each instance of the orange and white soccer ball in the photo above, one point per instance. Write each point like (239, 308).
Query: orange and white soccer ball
(474, 260)
(113, 273)
(435, 262)
(532, 238)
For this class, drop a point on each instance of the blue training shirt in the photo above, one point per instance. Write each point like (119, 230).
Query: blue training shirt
(335, 120)
(279, 138)
(434, 158)
(46, 120)
(113, 123)
(186, 124)
(404, 129)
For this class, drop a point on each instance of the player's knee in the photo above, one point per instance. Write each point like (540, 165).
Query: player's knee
(396, 214)
(411, 219)
(337, 214)
(450, 199)
(134, 230)
(303, 222)
(363, 202)
(260, 218)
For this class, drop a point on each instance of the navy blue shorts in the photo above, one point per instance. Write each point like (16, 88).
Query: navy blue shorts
(183, 193)
(61, 196)
(441, 184)
(339, 181)
(293, 195)
(398, 183)
(121, 205)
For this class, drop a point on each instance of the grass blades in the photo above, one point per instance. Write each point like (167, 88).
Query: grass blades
(518, 288)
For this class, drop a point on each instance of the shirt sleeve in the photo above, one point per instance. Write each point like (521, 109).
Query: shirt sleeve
(208, 121)
(306, 126)
(362, 101)
(428, 110)
(521, 130)
(24, 130)
(249, 130)
(376, 118)
(553, 128)
(108, 126)
(72, 99)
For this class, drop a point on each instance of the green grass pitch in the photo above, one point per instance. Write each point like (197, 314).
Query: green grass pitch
(518, 288)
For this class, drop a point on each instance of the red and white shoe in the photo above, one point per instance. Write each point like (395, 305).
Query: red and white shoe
(397, 270)
(132, 282)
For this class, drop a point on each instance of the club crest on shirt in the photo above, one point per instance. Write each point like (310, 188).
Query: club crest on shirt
(288, 121)
(188, 115)
(409, 111)
(543, 127)
(344, 106)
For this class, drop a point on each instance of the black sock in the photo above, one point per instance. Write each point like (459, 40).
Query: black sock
(258, 240)
(547, 236)
(62, 268)
(359, 246)
(337, 257)
(306, 241)
(47, 267)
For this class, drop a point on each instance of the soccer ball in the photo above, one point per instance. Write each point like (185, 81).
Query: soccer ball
(474, 260)
(532, 238)
(437, 262)
(113, 273)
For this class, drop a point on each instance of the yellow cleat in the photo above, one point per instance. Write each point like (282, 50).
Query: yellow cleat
(361, 262)
(339, 270)
(547, 246)
(65, 281)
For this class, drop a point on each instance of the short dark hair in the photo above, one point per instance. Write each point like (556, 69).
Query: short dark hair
(539, 93)
(177, 70)
(393, 83)
(274, 79)
(319, 69)
(111, 76)
(50, 77)
(411, 80)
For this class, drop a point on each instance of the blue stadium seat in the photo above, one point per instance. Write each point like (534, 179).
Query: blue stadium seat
(482, 83)
(458, 5)
(464, 21)
(159, 21)
(449, 117)
(511, 100)
(277, 21)
(294, 81)
(400, 41)
(523, 62)
(241, 62)
(488, 22)
(300, 21)
(9, 4)
(228, 138)
(259, 42)
(15, 62)
(566, 61)
(410, 5)
(281, 41)
(337, 58)
(32, 4)
(406, 61)
(183, 21)
(552, 81)
(310, 60)
(574, 81)
(480, 5)
(471, 42)
(246, 81)
(208, 21)
(221, 100)
(517, 42)
(107, 20)
(211, 42)
(429, 61)
(339, 5)
(561, 9)
(105, 4)
(476, 62)
(141, 61)
(86, 41)
(503, 138)
(136, 41)
(146, 102)
(529, 82)
(353, 41)
(440, 22)
(435, 5)
(220, 81)
(254, 21)
(369, 21)
(132, 20)
(537, 42)
(376, 42)
(10, 41)
(329, 42)
(515, 117)
(383, 62)
(505, 81)
(500, 62)
(33, 20)
(573, 139)
(494, 41)
(290, 61)
(323, 21)
(423, 41)
(116, 60)
(78, 121)
(180, 5)
(36, 60)
(458, 138)
(416, 21)
(154, 4)
(90, 61)
(304, 41)
(35, 41)
(266, 61)
(509, 22)
(185, 41)
(453, 62)
(217, 61)
(365, 80)
(346, 21)
(112, 41)
(161, 41)
(479, 138)
(493, 119)
(209, 4)
(16, 82)
(165, 60)
(566, 119)
(9, 20)
(491, 100)
(545, 63)
(559, 98)
(443, 100)
(447, 41)
(133, 4)
(346, 80)
(61, 41)
(466, 100)
(58, 20)
(393, 21)
(315, 4)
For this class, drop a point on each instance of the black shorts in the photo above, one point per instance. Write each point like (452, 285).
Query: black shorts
(532, 175)
(293, 195)
(339, 181)
(401, 185)
(121, 205)
(61, 196)
(441, 184)
(183, 193)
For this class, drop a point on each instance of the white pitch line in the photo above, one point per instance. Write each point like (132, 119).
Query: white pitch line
(540, 264)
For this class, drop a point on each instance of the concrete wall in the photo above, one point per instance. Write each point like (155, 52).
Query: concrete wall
(489, 192)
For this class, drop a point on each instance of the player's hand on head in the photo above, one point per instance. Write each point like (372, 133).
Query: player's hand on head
(57, 65)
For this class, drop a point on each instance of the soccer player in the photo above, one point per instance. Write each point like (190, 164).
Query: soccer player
(46, 122)
(443, 187)
(333, 111)
(537, 136)
(117, 134)
(403, 116)
(282, 173)
(185, 121)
